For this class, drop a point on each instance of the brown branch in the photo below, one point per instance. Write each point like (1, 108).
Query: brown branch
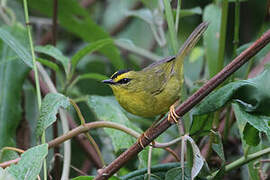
(193, 100)
(57, 164)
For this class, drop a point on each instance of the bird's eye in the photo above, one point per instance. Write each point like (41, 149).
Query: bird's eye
(124, 81)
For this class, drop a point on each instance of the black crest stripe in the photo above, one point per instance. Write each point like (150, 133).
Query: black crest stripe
(119, 73)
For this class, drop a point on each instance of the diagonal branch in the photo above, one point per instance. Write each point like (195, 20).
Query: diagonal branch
(193, 100)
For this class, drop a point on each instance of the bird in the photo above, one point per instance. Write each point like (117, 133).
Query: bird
(155, 89)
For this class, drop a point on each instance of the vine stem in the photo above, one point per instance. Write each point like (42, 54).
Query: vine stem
(92, 141)
(104, 124)
(32, 52)
(155, 131)
(243, 160)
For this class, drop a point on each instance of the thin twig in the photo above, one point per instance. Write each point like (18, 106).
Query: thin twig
(187, 105)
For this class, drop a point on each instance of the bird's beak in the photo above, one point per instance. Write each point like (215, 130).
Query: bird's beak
(108, 81)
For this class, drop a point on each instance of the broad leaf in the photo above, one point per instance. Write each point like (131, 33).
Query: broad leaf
(212, 14)
(92, 177)
(253, 95)
(157, 170)
(88, 50)
(260, 123)
(48, 63)
(11, 85)
(77, 21)
(30, 163)
(198, 159)
(217, 145)
(16, 45)
(49, 108)
(176, 174)
(55, 53)
(107, 109)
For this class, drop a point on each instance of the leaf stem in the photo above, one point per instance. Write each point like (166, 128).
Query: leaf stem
(243, 160)
(36, 74)
(91, 140)
(32, 52)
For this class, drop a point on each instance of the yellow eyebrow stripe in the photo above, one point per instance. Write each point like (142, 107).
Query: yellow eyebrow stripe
(121, 76)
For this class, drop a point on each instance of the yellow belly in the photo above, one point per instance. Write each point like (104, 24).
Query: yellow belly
(146, 104)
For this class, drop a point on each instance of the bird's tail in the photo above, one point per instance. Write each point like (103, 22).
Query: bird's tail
(193, 38)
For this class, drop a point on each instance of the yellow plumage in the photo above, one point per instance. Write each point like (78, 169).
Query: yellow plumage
(154, 89)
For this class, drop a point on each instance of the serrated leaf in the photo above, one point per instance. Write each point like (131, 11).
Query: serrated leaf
(55, 53)
(88, 49)
(212, 14)
(16, 46)
(198, 159)
(77, 21)
(108, 109)
(49, 108)
(12, 75)
(30, 163)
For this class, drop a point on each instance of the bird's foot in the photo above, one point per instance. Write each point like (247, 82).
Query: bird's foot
(172, 116)
(140, 139)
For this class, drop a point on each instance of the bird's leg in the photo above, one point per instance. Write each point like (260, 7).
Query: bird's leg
(172, 116)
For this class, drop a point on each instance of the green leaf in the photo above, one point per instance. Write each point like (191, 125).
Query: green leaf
(77, 21)
(55, 53)
(49, 108)
(92, 177)
(189, 12)
(256, 121)
(16, 45)
(251, 135)
(5, 175)
(48, 63)
(83, 178)
(89, 49)
(212, 14)
(176, 174)
(198, 159)
(107, 109)
(170, 21)
(30, 163)
(157, 170)
(253, 95)
(217, 145)
(12, 75)
(95, 76)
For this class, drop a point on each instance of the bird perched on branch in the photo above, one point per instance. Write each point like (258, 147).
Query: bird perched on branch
(155, 89)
